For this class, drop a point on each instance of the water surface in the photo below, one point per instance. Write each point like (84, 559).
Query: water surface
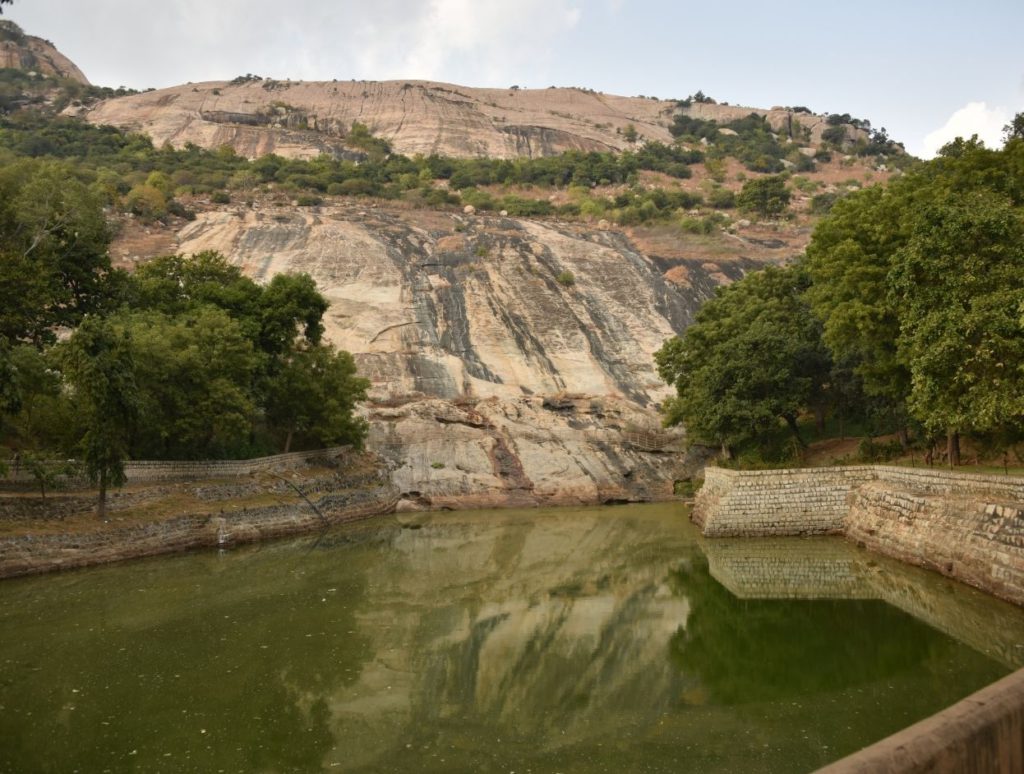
(571, 640)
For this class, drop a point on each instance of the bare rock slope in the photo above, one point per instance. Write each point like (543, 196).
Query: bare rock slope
(19, 51)
(304, 119)
(511, 360)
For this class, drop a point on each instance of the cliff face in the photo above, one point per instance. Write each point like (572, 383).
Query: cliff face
(19, 51)
(303, 119)
(511, 360)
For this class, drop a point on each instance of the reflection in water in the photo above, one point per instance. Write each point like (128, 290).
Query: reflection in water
(562, 640)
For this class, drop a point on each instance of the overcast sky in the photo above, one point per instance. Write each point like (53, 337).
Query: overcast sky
(926, 71)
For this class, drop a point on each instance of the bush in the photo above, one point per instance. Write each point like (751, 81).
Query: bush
(309, 200)
(566, 278)
(870, 451)
(220, 197)
(822, 203)
(721, 198)
(765, 196)
(174, 207)
(834, 135)
(146, 202)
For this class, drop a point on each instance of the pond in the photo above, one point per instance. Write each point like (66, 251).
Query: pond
(553, 640)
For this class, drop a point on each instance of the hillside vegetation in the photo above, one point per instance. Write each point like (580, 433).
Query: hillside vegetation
(905, 317)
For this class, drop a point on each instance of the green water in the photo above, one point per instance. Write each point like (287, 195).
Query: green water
(572, 640)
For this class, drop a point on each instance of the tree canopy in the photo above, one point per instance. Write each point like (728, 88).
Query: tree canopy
(919, 290)
(752, 357)
(185, 358)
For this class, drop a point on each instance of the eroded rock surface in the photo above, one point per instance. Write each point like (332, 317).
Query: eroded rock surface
(303, 119)
(494, 382)
(19, 51)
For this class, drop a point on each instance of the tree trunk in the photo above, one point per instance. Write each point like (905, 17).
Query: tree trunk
(953, 448)
(903, 436)
(288, 441)
(791, 421)
(819, 419)
(101, 508)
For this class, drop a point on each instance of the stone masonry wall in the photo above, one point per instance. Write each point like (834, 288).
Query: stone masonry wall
(775, 502)
(26, 554)
(966, 526)
(138, 471)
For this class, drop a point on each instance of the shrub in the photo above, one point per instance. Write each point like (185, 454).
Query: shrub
(765, 196)
(822, 203)
(870, 451)
(146, 202)
(834, 135)
(220, 197)
(566, 278)
(174, 207)
(721, 198)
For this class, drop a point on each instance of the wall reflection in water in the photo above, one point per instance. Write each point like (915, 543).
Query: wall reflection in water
(563, 640)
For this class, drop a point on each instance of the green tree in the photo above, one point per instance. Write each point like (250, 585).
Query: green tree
(765, 196)
(53, 246)
(195, 373)
(1015, 129)
(958, 284)
(175, 283)
(314, 394)
(290, 307)
(848, 261)
(10, 395)
(752, 357)
(99, 370)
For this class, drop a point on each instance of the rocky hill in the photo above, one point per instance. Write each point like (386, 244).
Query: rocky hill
(303, 119)
(19, 51)
(510, 358)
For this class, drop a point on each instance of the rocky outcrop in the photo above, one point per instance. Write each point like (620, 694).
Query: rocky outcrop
(789, 124)
(414, 116)
(494, 383)
(31, 54)
(303, 119)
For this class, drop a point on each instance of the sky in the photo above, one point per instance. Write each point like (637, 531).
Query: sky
(926, 71)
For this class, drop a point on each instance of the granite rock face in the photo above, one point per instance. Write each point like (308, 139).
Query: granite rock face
(492, 381)
(19, 51)
(304, 119)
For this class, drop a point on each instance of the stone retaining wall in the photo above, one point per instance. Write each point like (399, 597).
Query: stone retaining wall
(139, 471)
(757, 503)
(25, 554)
(968, 526)
(982, 733)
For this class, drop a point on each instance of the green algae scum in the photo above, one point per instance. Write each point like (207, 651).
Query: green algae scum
(569, 640)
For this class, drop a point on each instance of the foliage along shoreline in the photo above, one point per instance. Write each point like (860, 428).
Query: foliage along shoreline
(905, 316)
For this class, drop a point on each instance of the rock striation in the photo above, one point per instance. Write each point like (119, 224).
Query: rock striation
(300, 119)
(493, 383)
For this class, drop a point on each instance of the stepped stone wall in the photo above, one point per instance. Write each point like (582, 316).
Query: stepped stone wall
(967, 526)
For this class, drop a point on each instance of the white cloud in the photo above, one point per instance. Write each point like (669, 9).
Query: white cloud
(466, 40)
(974, 118)
(165, 42)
